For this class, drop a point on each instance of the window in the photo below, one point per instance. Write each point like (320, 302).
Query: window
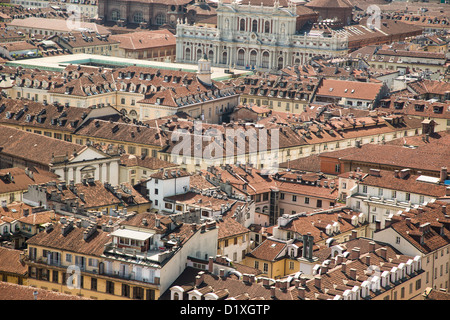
(319, 203)
(358, 204)
(266, 267)
(402, 292)
(408, 196)
(68, 257)
(226, 243)
(256, 264)
(55, 274)
(421, 199)
(160, 19)
(294, 198)
(380, 192)
(291, 265)
(306, 200)
(418, 284)
(235, 240)
(364, 189)
(138, 17)
(110, 287)
(125, 290)
(397, 240)
(281, 196)
(234, 256)
(168, 206)
(93, 284)
(156, 192)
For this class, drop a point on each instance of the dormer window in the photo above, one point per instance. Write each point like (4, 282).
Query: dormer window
(437, 109)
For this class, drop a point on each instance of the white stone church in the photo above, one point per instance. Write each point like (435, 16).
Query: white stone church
(262, 37)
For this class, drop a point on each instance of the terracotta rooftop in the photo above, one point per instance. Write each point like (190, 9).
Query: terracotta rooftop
(72, 241)
(10, 262)
(145, 39)
(18, 179)
(12, 291)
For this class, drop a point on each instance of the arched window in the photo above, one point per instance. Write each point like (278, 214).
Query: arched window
(115, 15)
(210, 55)
(124, 112)
(199, 54)
(187, 55)
(242, 25)
(255, 26)
(241, 58)
(133, 114)
(253, 55)
(297, 61)
(5, 229)
(160, 19)
(224, 57)
(267, 27)
(280, 63)
(138, 17)
(176, 296)
(265, 59)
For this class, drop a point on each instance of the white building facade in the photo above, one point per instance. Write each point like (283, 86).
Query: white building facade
(260, 37)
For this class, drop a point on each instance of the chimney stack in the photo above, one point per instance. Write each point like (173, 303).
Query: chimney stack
(383, 253)
(301, 293)
(367, 258)
(371, 246)
(303, 280)
(344, 267)
(339, 259)
(272, 292)
(352, 273)
(443, 174)
(396, 173)
(444, 209)
(318, 282)
(355, 254)
(222, 273)
(211, 264)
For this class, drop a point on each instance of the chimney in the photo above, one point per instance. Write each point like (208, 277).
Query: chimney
(272, 292)
(222, 273)
(374, 172)
(198, 281)
(352, 273)
(157, 223)
(301, 293)
(397, 173)
(211, 264)
(251, 278)
(297, 283)
(367, 258)
(266, 282)
(26, 212)
(303, 281)
(344, 267)
(387, 223)
(408, 222)
(318, 282)
(443, 175)
(339, 259)
(371, 246)
(355, 254)
(354, 234)
(404, 173)
(383, 253)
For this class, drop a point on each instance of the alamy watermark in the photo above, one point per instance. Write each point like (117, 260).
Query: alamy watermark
(256, 146)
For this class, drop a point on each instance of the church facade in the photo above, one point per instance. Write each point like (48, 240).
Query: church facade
(261, 37)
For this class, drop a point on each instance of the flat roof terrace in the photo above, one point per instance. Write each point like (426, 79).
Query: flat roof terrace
(58, 63)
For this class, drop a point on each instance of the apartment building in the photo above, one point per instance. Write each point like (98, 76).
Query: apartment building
(341, 278)
(12, 266)
(68, 160)
(423, 231)
(138, 261)
(14, 182)
(381, 194)
(426, 153)
(154, 45)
